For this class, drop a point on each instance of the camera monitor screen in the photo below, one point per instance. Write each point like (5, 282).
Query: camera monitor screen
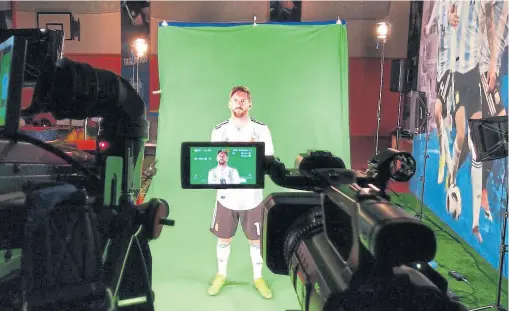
(222, 165)
(12, 61)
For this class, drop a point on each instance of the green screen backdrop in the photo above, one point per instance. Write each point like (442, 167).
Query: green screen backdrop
(298, 76)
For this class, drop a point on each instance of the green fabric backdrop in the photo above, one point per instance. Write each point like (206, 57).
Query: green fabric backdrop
(298, 76)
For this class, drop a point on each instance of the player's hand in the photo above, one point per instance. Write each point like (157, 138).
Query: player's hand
(454, 19)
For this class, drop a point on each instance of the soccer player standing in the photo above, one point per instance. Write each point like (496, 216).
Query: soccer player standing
(493, 26)
(464, 16)
(233, 205)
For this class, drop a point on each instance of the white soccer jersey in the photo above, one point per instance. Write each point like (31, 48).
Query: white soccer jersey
(254, 131)
(445, 36)
(223, 175)
(467, 35)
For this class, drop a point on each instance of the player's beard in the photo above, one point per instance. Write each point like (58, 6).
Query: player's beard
(222, 162)
(239, 112)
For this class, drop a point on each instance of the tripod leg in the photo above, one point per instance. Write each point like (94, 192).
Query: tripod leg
(503, 250)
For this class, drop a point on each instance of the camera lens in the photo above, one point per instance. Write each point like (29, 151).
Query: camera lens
(305, 226)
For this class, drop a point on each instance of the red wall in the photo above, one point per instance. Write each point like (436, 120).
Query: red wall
(364, 83)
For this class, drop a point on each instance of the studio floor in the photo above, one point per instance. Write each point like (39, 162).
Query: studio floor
(184, 259)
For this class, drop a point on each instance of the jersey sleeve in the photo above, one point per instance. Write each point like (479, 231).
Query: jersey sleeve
(216, 135)
(267, 139)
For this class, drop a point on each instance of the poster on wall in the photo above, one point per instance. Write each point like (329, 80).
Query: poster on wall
(135, 36)
(463, 71)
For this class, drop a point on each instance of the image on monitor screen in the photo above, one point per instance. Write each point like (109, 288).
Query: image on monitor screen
(5, 71)
(222, 165)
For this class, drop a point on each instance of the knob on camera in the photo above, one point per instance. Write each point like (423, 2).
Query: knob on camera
(153, 216)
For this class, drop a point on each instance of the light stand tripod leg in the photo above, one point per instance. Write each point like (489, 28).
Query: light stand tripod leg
(483, 308)
(503, 249)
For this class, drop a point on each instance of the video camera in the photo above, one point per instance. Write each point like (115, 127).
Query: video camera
(343, 243)
(83, 240)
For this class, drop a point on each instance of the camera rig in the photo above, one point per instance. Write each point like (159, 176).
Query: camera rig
(83, 240)
(343, 243)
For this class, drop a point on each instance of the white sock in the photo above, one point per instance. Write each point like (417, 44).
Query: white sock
(476, 179)
(256, 258)
(223, 252)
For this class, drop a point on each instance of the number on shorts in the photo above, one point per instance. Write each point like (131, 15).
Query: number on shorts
(257, 225)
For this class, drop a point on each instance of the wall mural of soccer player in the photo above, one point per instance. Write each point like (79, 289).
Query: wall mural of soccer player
(474, 24)
(471, 82)
(233, 205)
(223, 174)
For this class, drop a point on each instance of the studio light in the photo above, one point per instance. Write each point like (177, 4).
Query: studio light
(140, 47)
(383, 30)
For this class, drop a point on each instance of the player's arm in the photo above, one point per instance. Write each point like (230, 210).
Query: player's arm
(236, 176)
(432, 19)
(497, 40)
(267, 139)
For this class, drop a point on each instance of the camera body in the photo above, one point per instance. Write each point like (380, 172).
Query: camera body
(343, 243)
(76, 224)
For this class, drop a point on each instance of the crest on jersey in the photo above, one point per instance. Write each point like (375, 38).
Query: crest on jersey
(253, 139)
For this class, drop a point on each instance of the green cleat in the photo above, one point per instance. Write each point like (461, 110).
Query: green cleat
(217, 284)
(263, 288)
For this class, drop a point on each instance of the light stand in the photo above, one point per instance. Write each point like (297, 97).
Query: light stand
(423, 108)
(379, 109)
(382, 32)
(489, 138)
(398, 128)
(423, 128)
(139, 48)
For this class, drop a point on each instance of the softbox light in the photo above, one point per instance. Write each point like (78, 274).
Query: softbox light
(489, 138)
